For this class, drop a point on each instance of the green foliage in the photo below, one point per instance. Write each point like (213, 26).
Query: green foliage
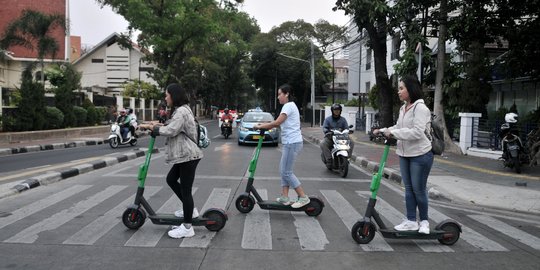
(31, 115)
(101, 114)
(65, 80)
(147, 90)
(80, 116)
(55, 118)
(92, 113)
(8, 122)
(532, 117)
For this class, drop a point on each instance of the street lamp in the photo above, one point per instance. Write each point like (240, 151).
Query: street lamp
(312, 67)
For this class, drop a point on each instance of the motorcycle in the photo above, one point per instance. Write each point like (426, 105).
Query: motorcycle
(340, 151)
(226, 128)
(514, 154)
(115, 138)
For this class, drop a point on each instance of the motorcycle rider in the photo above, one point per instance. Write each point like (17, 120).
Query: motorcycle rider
(226, 115)
(335, 121)
(123, 121)
(132, 121)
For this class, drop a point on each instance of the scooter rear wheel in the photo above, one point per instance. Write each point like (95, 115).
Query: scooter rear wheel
(245, 203)
(314, 208)
(216, 220)
(361, 235)
(451, 233)
(133, 218)
(133, 142)
(517, 164)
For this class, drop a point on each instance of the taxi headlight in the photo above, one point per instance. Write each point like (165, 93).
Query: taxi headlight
(243, 128)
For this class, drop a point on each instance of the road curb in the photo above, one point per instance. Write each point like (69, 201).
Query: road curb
(55, 176)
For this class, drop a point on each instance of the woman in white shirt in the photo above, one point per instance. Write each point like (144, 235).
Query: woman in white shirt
(414, 151)
(292, 143)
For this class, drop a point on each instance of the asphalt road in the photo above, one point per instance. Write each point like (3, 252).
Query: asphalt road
(75, 223)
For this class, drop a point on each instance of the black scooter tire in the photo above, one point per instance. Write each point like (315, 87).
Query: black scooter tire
(114, 142)
(360, 236)
(218, 219)
(133, 218)
(245, 203)
(344, 166)
(451, 233)
(133, 142)
(517, 164)
(314, 208)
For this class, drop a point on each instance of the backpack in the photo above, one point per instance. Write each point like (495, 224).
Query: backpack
(202, 134)
(435, 134)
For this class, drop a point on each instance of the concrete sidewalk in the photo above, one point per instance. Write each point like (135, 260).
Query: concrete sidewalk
(456, 178)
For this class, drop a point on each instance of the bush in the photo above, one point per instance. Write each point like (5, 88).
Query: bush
(80, 116)
(101, 114)
(55, 118)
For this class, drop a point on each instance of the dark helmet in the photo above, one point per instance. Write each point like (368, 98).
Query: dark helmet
(336, 107)
(129, 110)
(226, 111)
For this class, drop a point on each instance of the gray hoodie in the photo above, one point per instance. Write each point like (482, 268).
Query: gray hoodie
(409, 130)
(180, 148)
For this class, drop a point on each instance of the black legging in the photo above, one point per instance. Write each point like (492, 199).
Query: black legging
(186, 172)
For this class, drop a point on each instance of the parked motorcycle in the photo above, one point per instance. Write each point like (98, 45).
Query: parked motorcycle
(514, 153)
(226, 128)
(340, 151)
(115, 138)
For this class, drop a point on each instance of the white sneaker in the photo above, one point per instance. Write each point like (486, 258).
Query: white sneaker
(181, 232)
(300, 202)
(424, 227)
(180, 213)
(407, 225)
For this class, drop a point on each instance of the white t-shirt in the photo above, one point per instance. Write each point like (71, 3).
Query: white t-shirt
(290, 128)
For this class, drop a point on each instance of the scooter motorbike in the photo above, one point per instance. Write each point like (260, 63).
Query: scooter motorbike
(226, 128)
(340, 151)
(134, 216)
(115, 138)
(363, 231)
(247, 200)
(514, 154)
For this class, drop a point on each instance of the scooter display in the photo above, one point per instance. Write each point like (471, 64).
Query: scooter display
(134, 216)
(340, 151)
(115, 138)
(446, 232)
(247, 200)
(226, 128)
(514, 154)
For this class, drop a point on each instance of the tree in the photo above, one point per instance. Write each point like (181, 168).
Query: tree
(372, 16)
(31, 110)
(65, 79)
(32, 30)
(147, 90)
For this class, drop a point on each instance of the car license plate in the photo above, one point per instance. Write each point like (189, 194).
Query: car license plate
(256, 137)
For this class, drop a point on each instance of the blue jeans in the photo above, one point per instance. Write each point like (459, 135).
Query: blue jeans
(289, 152)
(414, 174)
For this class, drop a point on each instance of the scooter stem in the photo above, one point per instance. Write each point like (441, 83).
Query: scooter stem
(253, 163)
(143, 169)
(376, 179)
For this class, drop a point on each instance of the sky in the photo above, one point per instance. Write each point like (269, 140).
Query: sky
(94, 24)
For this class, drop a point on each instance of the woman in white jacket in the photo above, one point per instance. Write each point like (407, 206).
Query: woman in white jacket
(414, 151)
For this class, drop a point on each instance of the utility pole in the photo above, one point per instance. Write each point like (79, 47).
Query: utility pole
(312, 86)
(333, 79)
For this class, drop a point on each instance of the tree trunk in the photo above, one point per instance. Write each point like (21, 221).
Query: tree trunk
(438, 107)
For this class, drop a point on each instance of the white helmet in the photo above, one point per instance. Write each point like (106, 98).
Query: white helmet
(510, 118)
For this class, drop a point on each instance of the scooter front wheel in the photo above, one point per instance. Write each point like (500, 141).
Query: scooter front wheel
(245, 203)
(113, 142)
(315, 207)
(216, 219)
(343, 166)
(363, 235)
(133, 142)
(451, 233)
(134, 218)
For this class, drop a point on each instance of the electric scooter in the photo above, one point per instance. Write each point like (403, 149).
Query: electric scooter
(134, 216)
(245, 202)
(363, 231)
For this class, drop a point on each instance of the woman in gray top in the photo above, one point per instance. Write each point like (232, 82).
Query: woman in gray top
(414, 151)
(182, 152)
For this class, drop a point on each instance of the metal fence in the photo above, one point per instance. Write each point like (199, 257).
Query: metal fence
(488, 133)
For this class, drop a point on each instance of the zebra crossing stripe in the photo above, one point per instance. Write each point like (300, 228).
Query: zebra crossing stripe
(103, 224)
(257, 232)
(310, 232)
(395, 217)
(470, 236)
(521, 236)
(30, 234)
(349, 216)
(149, 234)
(41, 204)
(218, 199)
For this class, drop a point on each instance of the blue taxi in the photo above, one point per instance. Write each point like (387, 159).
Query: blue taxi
(248, 135)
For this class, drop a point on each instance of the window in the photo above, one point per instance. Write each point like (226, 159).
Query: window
(368, 87)
(394, 53)
(368, 59)
(97, 60)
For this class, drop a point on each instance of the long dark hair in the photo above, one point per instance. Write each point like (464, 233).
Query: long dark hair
(178, 94)
(413, 87)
